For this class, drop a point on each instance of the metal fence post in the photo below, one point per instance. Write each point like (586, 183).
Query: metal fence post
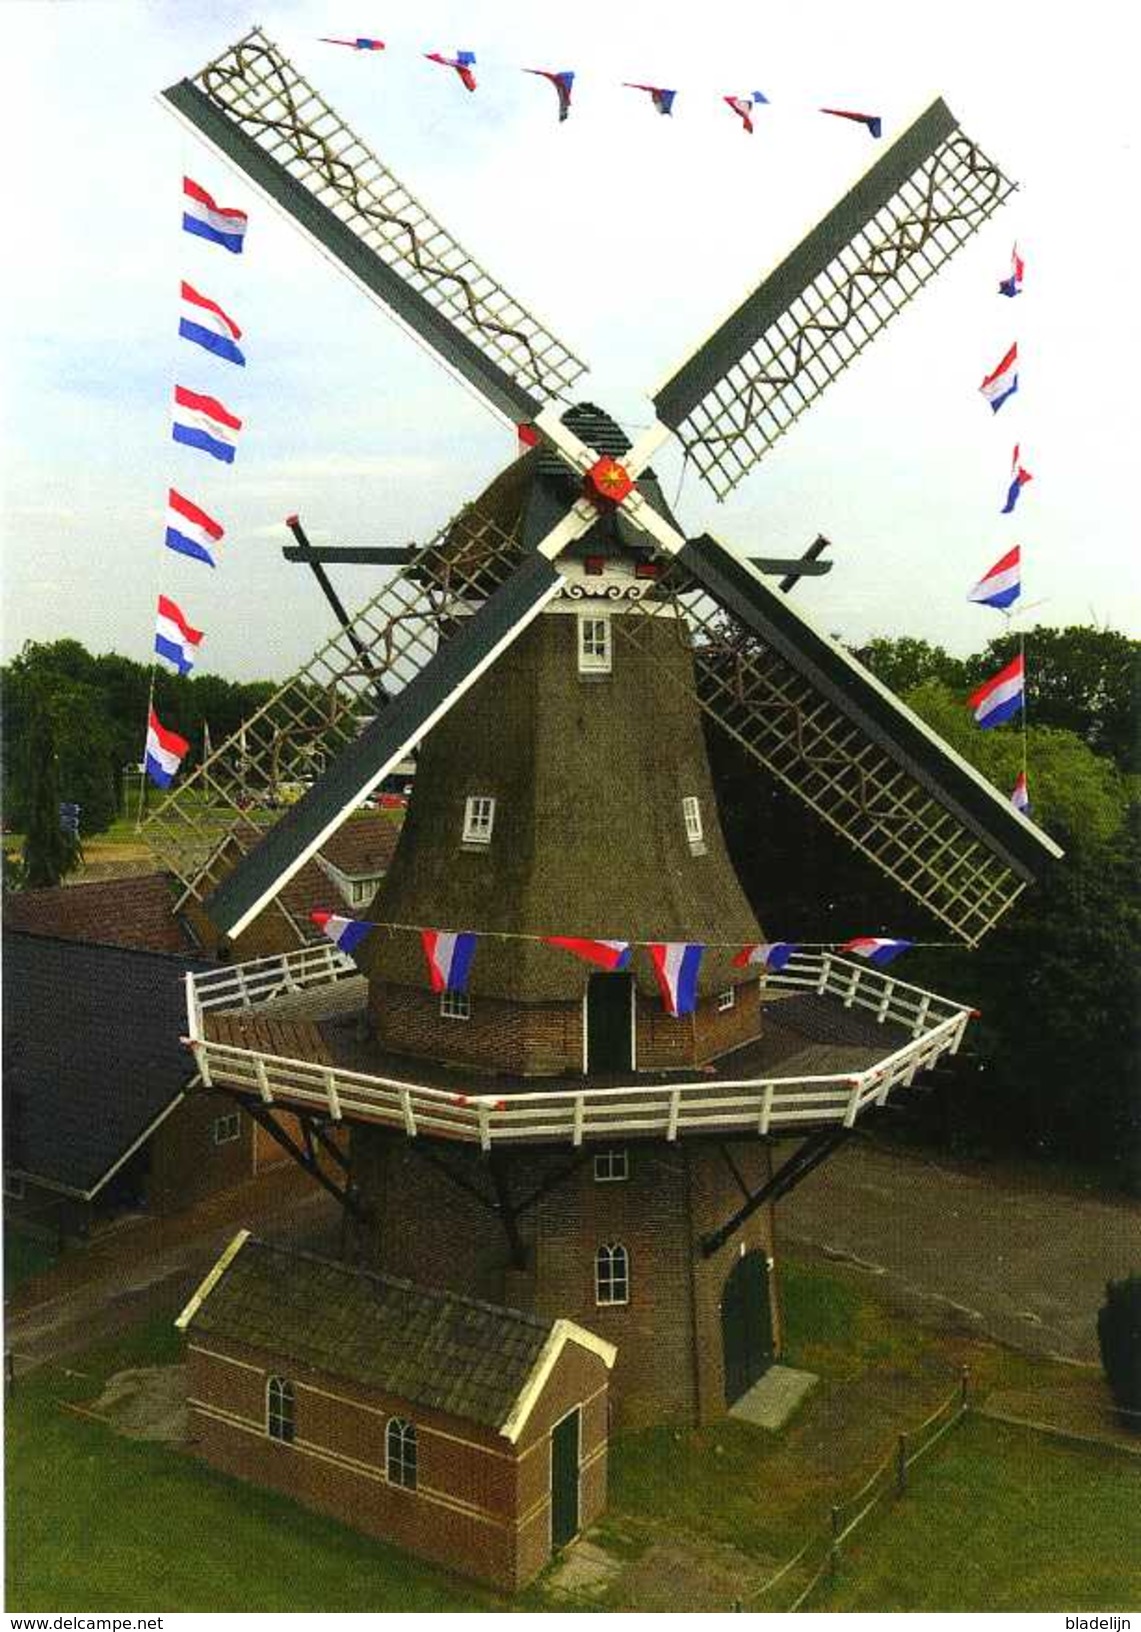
(901, 1465)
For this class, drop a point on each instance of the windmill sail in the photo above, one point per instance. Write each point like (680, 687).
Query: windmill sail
(253, 106)
(742, 388)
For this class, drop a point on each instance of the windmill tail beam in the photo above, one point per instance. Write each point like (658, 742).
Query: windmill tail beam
(804, 1160)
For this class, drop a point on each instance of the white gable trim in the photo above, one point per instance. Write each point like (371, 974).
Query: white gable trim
(561, 1333)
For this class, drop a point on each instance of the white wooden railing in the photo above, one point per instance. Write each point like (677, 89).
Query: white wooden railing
(667, 1110)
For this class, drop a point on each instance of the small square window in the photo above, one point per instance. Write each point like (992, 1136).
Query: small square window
(726, 999)
(479, 819)
(455, 1005)
(611, 1166)
(593, 645)
(227, 1128)
(691, 812)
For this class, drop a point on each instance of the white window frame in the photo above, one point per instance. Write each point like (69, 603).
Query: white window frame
(455, 1006)
(227, 1128)
(612, 1166)
(691, 816)
(479, 818)
(399, 1434)
(595, 643)
(280, 1410)
(611, 1276)
(726, 999)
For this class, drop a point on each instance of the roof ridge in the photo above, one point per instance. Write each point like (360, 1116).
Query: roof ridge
(185, 961)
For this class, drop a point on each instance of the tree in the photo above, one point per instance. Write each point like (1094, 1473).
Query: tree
(49, 853)
(1081, 679)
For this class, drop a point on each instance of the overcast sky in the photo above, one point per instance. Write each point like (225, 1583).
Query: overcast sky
(628, 234)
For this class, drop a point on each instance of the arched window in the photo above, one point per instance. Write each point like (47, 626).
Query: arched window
(611, 1274)
(279, 1409)
(400, 1453)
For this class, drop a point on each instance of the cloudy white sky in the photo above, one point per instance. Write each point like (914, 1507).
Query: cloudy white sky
(627, 233)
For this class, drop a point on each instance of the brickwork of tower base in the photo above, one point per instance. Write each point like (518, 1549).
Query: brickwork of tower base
(428, 1226)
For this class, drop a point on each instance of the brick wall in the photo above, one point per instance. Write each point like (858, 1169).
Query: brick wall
(185, 1162)
(481, 1505)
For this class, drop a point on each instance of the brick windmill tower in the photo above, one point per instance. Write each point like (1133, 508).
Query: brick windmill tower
(551, 1136)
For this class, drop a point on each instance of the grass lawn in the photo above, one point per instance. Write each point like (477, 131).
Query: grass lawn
(1000, 1518)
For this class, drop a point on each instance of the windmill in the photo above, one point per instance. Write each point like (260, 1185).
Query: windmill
(551, 655)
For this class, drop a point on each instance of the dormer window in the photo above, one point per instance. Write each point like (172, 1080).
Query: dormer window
(479, 819)
(594, 651)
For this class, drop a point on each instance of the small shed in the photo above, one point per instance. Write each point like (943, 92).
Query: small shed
(470, 1434)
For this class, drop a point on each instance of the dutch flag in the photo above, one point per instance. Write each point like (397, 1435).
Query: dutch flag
(662, 99)
(743, 107)
(202, 422)
(768, 954)
(205, 219)
(607, 954)
(1001, 697)
(676, 966)
(871, 122)
(878, 949)
(463, 62)
(1020, 794)
(449, 956)
(164, 752)
(1018, 480)
(345, 933)
(1003, 381)
(190, 530)
(1012, 285)
(563, 81)
(1002, 585)
(206, 324)
(175, 640)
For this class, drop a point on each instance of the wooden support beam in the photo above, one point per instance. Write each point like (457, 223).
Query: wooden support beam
(346, 1194)
(508, 1215)
(800, 1164)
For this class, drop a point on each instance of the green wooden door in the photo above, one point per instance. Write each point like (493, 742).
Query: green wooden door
(746, 1324)
(564, 1481)
(609, 1022)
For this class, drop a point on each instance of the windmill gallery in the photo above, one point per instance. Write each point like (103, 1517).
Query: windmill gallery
(557, 1179)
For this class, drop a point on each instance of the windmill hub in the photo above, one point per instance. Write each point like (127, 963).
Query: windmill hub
(607, 481)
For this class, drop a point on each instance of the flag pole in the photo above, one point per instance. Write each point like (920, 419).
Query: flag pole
(143, 777)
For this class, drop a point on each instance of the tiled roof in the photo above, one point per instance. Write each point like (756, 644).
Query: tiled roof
(434, 1349)
(91, 1054)
(364, 846)
(134, 912)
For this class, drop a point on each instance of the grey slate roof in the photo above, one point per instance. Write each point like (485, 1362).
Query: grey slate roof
(91, 1054)
(435, 1349)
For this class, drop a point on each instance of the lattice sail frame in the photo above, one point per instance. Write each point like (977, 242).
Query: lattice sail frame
(227, 803)
(818, 310)
(852, 782)
(263, 94)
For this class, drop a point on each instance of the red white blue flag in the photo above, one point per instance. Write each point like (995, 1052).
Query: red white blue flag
(202, 422)
(449, 958)
(870, 121)
(1020, 794)
(563, 81)
(878, 949)
(1019, 476)
(662, 99)
(189, 530)
(1001, 697)
(345, 933)
(206, 219)
(463, 62)
(743, 106)
(175, 640)
(1003, 381)
(607, 954)
(1002, 585)
(1012, 285)
(361, 43)
(206, 324)
(768, 954)
(676, 966)
(165, 752)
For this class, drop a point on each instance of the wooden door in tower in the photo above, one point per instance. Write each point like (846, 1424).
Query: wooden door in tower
(746, 1324)
(609, 1023)
(564, 1480)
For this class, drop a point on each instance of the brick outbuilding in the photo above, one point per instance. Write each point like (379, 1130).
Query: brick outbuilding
(470, 1434)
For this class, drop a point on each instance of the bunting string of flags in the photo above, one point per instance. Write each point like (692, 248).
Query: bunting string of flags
(203, 424)
(662, 99)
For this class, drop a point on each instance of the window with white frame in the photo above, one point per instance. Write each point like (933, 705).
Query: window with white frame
(691, 813)
(227, 1128)
(455, 1006)
(279, 1420)
(479, 819)
(726, 999)
(400, 1453)
(611, 1274)
(610, 1166)
(594, 650)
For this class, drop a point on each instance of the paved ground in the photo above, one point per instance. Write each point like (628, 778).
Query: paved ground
(1006, 1254)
